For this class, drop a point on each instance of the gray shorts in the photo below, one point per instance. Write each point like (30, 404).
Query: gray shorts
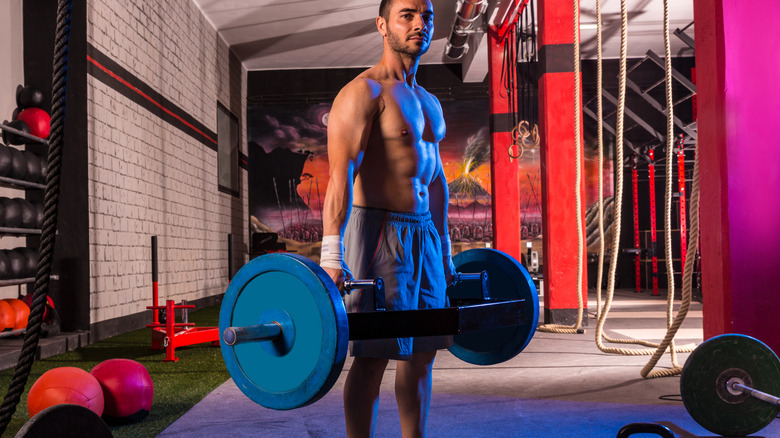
(405, 250)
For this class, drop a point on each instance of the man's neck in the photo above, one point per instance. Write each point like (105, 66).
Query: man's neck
(400, 66)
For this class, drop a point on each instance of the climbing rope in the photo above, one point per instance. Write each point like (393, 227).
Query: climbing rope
(673, 324)
(600, 117)
(577, 327)
(48, 232)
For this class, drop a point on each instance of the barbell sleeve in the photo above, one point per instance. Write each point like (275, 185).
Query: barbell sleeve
(376, 284)
(259, 332)
(772, 400)
(364, 284)
(475, 276)
(469, 276)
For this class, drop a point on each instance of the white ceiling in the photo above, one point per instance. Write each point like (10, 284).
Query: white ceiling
(301, 34)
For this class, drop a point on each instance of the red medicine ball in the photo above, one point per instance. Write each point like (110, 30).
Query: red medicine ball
(127, 388)
(28, 299)
(37, 119)
(65, 385)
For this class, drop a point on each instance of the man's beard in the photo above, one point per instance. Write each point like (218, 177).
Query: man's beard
(412, 50)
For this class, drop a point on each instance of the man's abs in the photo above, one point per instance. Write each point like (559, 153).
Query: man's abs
(401, 156)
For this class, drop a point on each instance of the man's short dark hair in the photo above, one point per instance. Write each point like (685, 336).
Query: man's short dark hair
(384, 9)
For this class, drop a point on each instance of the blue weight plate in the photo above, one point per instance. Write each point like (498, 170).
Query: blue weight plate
(508, 280)
(285, 284)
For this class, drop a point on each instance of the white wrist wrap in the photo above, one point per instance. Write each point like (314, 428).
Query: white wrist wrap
(332, 254)
(446, 245)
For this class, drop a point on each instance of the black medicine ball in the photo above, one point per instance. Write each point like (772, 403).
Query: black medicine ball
(27, 97)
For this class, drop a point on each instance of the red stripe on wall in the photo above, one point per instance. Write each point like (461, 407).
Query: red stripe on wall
(147, 97)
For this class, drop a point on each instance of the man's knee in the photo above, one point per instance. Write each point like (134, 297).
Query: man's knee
(370, 365)
(421, 362)
(424, 357)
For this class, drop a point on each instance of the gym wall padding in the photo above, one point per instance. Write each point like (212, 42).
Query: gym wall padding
(137, 161)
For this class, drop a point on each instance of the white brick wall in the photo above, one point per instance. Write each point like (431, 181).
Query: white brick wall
(147, 177)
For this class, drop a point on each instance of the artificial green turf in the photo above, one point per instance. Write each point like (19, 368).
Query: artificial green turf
(178, 386)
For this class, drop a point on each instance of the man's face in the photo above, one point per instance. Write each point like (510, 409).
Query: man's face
(410, 26)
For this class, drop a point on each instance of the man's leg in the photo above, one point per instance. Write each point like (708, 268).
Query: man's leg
(413, 393)
(361, 395)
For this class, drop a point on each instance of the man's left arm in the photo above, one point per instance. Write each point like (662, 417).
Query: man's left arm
(439, 204)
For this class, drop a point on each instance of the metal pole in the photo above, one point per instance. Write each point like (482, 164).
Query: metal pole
(230, 256)
(155, 291)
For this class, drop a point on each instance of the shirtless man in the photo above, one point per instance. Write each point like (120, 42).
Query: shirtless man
(387, 202)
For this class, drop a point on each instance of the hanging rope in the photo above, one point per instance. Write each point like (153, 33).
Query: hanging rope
(48, 232)
(577, 327)
(602, 315)
(526, 132)
(672, 325)
(509, 71)
(600, 117)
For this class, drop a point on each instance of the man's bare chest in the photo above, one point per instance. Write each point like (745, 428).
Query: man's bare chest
(411, 116)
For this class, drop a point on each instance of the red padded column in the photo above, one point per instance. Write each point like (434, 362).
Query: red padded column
(558, 165)
(505, 181)
(738, 122)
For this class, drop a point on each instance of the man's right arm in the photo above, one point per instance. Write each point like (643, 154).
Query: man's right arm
(349, 126)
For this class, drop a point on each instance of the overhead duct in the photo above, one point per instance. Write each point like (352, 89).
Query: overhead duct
(466, 13)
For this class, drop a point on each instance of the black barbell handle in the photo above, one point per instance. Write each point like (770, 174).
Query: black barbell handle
(272, 330)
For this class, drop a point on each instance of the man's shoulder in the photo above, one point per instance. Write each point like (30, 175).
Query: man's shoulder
(361, 95)
(428, 95)
(362, 87)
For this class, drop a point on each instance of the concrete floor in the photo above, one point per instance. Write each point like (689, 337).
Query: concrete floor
(560, 386)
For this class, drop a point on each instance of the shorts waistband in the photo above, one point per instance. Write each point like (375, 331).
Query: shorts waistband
(391, 216)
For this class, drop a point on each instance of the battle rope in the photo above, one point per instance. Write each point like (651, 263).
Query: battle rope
(577, 327)
(48, 232)
(672, 325)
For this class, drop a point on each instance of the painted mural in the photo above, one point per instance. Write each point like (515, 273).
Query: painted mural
(289, 174)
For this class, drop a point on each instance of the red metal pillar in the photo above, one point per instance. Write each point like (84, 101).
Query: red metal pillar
(505, 170)
(653, 228)
(683, 210)
(638, 255)
(558, 165)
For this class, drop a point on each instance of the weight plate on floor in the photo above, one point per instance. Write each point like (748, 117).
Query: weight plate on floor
(283, 283)
(66, 420)
(508, 280)
(711, 365)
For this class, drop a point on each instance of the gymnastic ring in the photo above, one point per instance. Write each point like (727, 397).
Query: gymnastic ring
(519, 148)
(534, 135)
